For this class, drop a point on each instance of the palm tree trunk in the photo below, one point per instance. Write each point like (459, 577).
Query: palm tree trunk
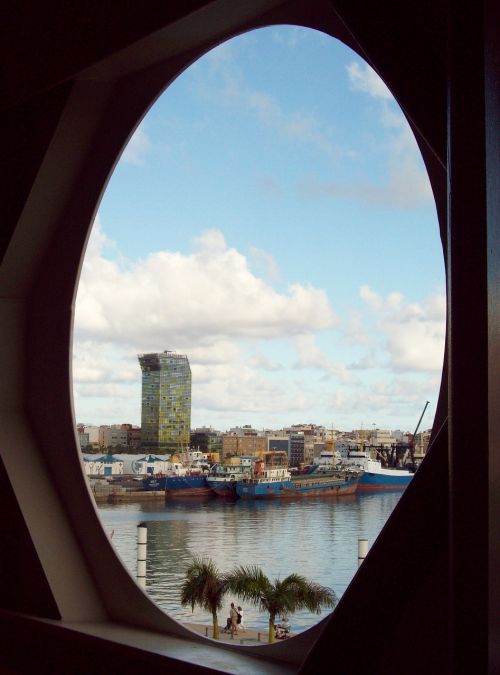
(215, 622)
(272, 618)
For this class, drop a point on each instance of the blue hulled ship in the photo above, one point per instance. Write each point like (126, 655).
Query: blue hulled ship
(223, 478)
(272, 479)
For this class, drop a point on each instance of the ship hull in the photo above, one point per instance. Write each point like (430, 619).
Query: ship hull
(384, 481)
(154, 484)
(225, 489)
(186, 486)
(298, 488)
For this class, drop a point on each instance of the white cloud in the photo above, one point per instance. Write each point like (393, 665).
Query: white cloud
(353, 331)
(265, 264)
(401, 398)
(414, 333)
(208, 304)
(363, 78)
(309, 355)
(181, 300)
(262, 362)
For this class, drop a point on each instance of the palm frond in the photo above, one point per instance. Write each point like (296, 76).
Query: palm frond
(204, 585)
(250, 584)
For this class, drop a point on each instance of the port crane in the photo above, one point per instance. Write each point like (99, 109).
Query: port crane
(411, 448)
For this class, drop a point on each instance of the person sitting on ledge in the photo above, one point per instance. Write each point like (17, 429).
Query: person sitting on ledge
(282, 630)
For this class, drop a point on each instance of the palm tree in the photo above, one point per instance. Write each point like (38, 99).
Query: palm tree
(204, 585)
(293, 593)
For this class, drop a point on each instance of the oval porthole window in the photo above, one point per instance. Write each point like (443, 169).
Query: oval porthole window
(262, 303)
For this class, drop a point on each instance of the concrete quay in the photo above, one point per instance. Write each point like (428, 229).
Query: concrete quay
(246, 637)
(114, 494)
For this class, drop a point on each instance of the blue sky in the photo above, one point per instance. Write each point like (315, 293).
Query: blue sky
(271, 218)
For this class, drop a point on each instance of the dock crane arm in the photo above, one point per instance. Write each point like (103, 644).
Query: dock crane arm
(412, 442)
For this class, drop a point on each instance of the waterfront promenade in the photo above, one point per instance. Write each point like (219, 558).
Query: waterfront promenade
(282, 537)
(247, 637)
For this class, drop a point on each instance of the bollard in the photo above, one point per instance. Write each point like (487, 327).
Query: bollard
(362, 550)
(142, 541)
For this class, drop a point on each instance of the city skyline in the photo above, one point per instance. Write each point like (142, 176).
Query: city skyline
(279, 229)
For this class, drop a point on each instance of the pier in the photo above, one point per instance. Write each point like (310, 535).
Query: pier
(109, 493)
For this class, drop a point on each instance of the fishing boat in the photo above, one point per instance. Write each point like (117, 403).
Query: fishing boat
(272, 479)
(223, 478)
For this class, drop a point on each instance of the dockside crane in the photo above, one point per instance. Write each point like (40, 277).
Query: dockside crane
(411, 448)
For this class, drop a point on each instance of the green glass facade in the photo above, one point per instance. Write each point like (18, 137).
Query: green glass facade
(166, 401)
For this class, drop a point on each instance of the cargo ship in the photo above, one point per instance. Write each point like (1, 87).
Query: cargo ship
(185, 485)
(223, 478)
(186, 478)
(271, 479)
(190, 485)
(375, 476)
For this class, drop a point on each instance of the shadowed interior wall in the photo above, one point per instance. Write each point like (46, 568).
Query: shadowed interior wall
(78, 78)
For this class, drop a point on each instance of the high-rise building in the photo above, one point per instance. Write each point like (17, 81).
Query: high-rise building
(166, 401)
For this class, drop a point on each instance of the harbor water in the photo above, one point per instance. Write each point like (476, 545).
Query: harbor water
(317, 538)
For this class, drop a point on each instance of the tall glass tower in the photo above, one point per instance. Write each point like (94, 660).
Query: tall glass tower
(166, 401)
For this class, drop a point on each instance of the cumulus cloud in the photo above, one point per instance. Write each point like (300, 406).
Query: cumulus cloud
(210, 305)
(309, 355)
(264, 263)
(353, 330)
(206, 303)
(414, 333)
(169, 298)
(262, 362)
(401, 397)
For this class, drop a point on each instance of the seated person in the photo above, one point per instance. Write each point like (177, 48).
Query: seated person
(282, 630)
(285, 624)
(279, 633)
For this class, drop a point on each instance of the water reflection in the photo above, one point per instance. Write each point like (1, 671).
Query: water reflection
(317, 538)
